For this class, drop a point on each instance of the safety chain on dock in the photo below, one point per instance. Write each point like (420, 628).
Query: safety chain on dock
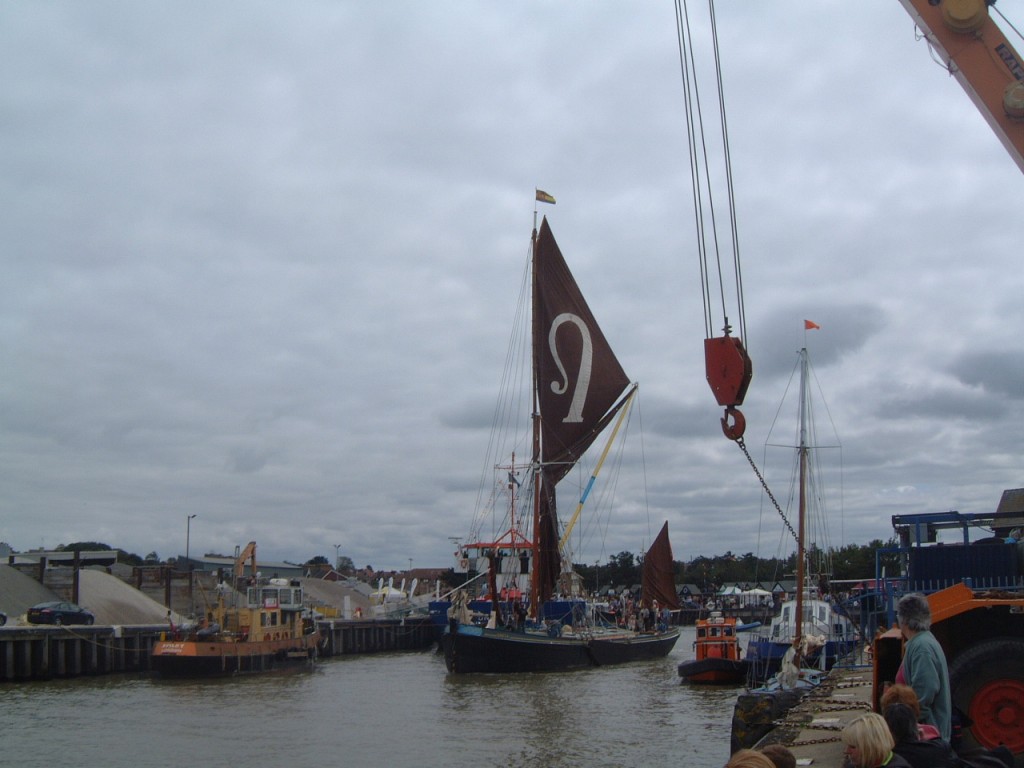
(801, 721)
(840, 706)
(807, 742)
(850, 684)
(803, 725)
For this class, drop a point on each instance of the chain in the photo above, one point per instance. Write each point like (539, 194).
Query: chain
(807, 742)
(764, 484)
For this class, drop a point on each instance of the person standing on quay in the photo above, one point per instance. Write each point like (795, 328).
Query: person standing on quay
(924, 664)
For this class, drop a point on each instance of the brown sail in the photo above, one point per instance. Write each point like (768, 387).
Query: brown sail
(578, 382)
(657, 579)
(578, 377)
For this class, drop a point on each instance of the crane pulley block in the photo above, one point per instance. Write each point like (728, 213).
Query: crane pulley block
(728, 369)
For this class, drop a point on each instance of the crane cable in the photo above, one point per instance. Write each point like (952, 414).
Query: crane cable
(700, 176)
(728, 367)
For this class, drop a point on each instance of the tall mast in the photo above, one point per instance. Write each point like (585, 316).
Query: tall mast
(803, 449)
(535, 461)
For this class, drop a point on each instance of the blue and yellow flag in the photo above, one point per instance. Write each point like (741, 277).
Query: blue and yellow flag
(544, 197)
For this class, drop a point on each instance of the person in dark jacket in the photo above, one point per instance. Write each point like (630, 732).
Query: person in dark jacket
(920, 753)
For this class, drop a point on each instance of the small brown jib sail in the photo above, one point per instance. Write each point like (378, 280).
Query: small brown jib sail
(657, 580)
(578, 385)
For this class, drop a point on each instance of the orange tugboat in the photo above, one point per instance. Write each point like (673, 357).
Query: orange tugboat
(263, 629)
(717, 653)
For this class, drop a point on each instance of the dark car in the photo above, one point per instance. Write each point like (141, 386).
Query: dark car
(3, 618)
(59, 613)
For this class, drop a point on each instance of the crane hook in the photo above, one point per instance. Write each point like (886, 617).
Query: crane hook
(735, 430)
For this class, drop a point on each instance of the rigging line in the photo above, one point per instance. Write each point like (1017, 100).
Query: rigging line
(1008, 22)
(643, 463)
(682, 25)
(695, 131)
(730, 188)
(503, 410)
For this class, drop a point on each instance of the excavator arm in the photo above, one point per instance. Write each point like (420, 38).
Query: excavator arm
(976, 52)
(249, 553)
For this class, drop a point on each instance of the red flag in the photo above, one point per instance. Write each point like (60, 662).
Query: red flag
(808, 325)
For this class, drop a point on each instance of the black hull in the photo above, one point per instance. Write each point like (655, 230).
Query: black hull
(644, 646)
(476, 650)
(714, 671)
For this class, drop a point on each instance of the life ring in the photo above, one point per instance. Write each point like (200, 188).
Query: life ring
(464, 563)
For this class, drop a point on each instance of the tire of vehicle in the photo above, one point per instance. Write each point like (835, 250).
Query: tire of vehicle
(987, 682)
(58, 620)
(89, 621)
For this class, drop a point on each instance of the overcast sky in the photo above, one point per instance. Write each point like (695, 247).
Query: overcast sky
(260, 263)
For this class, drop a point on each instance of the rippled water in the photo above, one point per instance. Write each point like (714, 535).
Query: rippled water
(384, 710)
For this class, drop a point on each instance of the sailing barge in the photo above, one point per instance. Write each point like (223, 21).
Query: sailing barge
(578, 389)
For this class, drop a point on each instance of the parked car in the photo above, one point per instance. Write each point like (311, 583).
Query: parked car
(3, 618)
(59, 613)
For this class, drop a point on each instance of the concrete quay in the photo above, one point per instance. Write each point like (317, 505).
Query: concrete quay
(811, 728)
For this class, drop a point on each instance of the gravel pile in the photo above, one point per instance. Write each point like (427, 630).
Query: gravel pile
(19, 592)
(334, 593)
(115, 602)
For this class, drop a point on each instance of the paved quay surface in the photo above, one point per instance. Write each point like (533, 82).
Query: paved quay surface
(811, 728)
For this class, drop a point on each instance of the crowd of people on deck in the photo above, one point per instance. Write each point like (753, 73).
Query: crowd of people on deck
(917, 727)
(631, 613)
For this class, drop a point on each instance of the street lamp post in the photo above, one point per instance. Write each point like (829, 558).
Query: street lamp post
(337, 557)
(188, 533)
(188, 560)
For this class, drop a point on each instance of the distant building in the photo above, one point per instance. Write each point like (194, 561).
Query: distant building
(211, 564)
(53, 558)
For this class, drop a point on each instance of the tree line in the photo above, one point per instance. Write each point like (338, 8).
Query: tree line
(853, 561)
(850, 562)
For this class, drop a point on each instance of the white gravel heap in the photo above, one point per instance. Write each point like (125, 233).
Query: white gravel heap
(115, 602)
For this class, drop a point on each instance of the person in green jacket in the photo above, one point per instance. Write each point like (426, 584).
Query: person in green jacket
(924, 664)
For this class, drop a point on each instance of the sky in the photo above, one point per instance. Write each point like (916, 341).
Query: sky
(260, 264)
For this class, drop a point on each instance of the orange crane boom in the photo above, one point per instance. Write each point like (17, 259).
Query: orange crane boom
(976, 52)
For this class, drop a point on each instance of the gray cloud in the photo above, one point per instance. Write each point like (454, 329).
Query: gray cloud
(261, 267)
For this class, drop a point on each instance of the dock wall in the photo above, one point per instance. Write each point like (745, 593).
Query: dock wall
(44, 652)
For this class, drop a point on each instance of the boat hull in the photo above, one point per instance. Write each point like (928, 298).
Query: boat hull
(214, 658)
(471, 649)
(711, 671)
(646, 645)
(765, 656)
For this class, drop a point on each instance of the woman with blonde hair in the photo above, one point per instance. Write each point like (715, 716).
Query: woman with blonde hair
(749, 758)
(869, 743)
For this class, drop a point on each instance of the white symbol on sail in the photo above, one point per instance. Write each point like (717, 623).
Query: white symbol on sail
(579, 395)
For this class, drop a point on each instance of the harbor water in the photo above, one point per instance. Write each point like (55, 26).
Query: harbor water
(396, 710)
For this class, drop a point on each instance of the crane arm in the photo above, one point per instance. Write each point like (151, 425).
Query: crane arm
(976, 52)
(249, 553)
